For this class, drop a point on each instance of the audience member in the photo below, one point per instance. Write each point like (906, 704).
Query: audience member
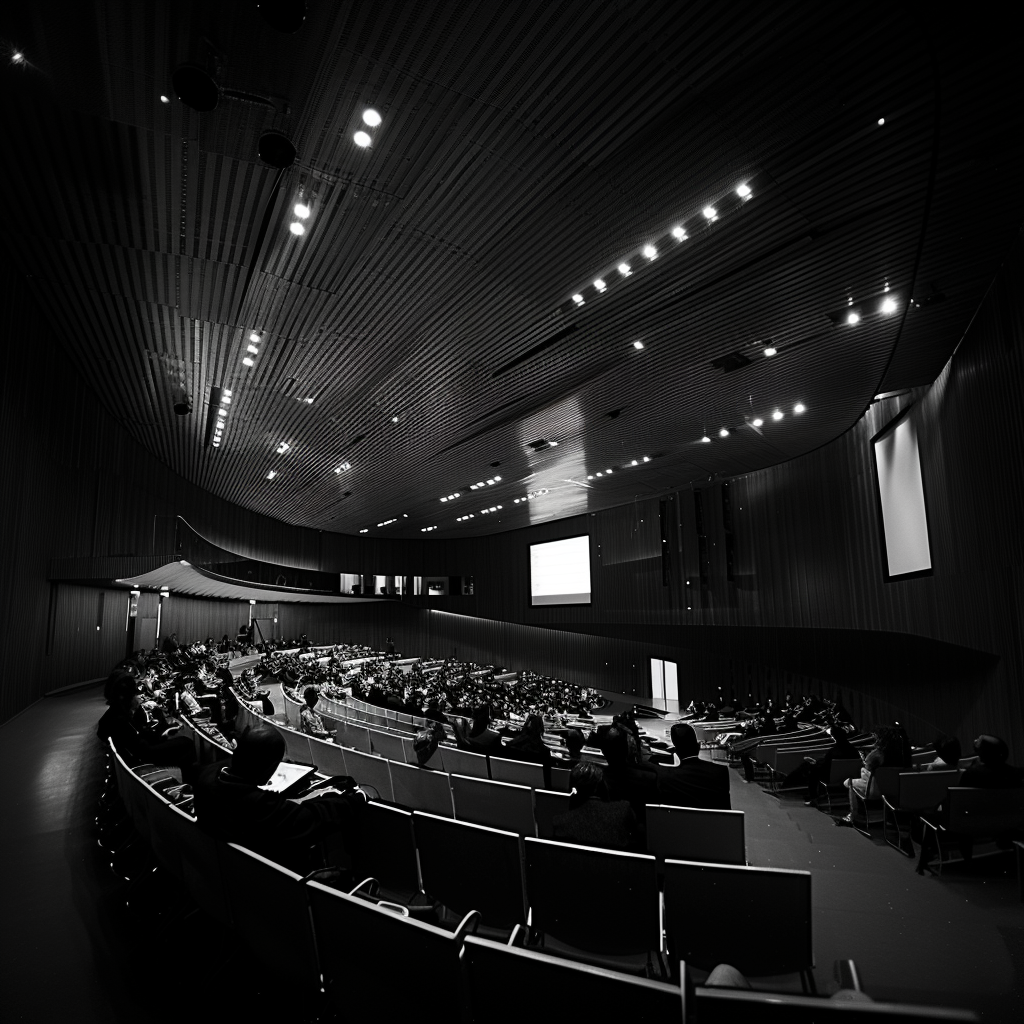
(593, 819)
(529, 746)
(574, 740)
(891, 750)
(312, 724)
(624, 778)
(480, 738)
(231, 806)
(947, 755)
(693, 783)
(991, 770)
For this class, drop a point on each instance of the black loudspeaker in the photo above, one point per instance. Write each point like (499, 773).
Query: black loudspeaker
(195, 87)
(276, 150)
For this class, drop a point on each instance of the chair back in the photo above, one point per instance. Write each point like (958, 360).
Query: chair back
(546, 806)
(695, 834)
(603, 901)
(282, 936)
(765, 930)
(463, 762)
(161, 836)
(355, 736)
(843, 768)
(363, 945)
(371, 771)
(788, 759)
(328, 757)
(296, 746)
(558, 985)
(924, 791)
(387, 744)
(497, 804)
(471, 867)
(985, 812)
(560, 780)
(886, 782)
(421, 789)
(200, 865)
(521, 773)
(383, 847)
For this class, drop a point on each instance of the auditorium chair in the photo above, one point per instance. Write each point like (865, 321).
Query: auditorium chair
(969, 816)
(546, 805)
(463, 762)
(387, 744)
(521, 773)
(756, 919)
(886, 782)
(917, 793)
(468, 867)
(329, 757)
(369, 770)
(201, 866)
(560, 780)
(564, 989)
(497, 804)
(696, 834)
(421, 789)
(383, 848)
(600, 906)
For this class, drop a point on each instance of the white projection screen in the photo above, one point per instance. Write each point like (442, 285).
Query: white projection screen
(901, 500)
(560, 572)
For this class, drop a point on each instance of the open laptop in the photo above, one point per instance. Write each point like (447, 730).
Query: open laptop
(290, 779)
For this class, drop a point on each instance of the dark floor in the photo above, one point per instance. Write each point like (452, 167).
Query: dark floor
(71, 950)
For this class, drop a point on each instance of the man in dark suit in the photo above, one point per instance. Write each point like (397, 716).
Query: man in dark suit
(694, 783)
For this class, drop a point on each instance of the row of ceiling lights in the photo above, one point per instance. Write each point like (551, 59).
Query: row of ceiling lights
(608, 472)
(371, 119)
(222, 415)
(530, 496)
(758, 421)
(650, 251)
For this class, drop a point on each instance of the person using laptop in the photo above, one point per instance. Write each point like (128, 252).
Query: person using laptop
(232, 805)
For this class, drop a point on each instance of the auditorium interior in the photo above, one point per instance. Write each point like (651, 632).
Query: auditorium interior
(326, 317)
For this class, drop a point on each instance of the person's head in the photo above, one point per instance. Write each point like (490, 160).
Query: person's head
(257, 754)
(533, 727)
(991, 750)
(225, 676)
(426, 742)
(574, 742)
(124, 693)
(481, 719)
(948, 748)
(310, 695)
(587, 781)
(615, 746)
(685, 741)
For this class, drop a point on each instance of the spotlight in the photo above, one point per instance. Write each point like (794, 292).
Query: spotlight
(758, 422)
(165, 99)
(889, 306)
(361, 139)
(710, 212)
(743, 191)
(19, 58)
(296, 228)
(853, 318)
(705, 439)
(650, 252)
(371, 117)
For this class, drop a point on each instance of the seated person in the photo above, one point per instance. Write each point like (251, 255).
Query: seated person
(694, 783)
(529, 746)
(593, 819)
(426, 742)
(136, 743)
(816, 770)
(890, 751)
(625, 779)
(230, 806)
(479, 738)
(574, 741)
(312, 724)
(947, 755)
(991, 770)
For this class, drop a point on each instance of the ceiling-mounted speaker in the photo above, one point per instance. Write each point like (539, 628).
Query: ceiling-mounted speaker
(276, 150)
(284, 15)
(183, 406)
(195, 87)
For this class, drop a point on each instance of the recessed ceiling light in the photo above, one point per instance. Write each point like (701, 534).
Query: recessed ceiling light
(638, 344)
(301, 210)
(608, 472)
(705, 439)
(490, 482)
(650, 252)
(889, 305)
(480, 483)
(443, 499)
(853, 318)
(17, 57)
(296, 228)
(371, 117)
(361, 139)
(272, 474)
(283, 447)
(590, 476)
(881, 120)
(552, 444)
(227, 395)
(624, 269)
(710, 212)
(578, 299)
(165, 99)
(365, 531)
(634, 462)
(799, 408)
(394, 419)
(777, 415)
(724, 432)
(252, 349)
(770, 350)
(743, 191)
(758, 422)
(647, 458)
(247, 361)
(600, 473)
(678, 233)
(600, 285)
(497, 478)
(308, 401)
(255, 339)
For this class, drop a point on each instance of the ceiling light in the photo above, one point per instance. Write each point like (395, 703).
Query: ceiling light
(497, 478)
(758, 422)
(710, 212)
(633, 463)
(371, 117)
(624, 269)
(638, 344)
(600, 473)
(252, 349)
(799, 408)
(889, 306)
(165, 99)
(724, 432)
(600, 285)
(743, 191)
(394, 419)
(853, 318)
(361, 139)
(308, 401)
(296, 228)
(777, 415)
(705, 439)
(578, 299)
(881, 120)
(227, 393)
(301, 210)
(590, 476)
(678, 233)
(272, 474)
(256, 339)
(480, 483)
(490, 482)
(364, 531)
(650, 252)
(770, 350)
(608, 471)
(18, 58)
(647, 458)
(444, 499)
(283, 447)
(552, 444)
(247, 361)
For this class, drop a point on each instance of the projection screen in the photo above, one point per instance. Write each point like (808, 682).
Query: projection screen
(560, 572)
(901, 500)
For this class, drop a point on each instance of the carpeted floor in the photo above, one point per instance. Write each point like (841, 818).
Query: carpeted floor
(70, 950)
